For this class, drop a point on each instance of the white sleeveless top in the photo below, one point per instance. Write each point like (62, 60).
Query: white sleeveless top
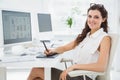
(87, 51)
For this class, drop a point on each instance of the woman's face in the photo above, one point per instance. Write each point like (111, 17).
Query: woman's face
(94, 19)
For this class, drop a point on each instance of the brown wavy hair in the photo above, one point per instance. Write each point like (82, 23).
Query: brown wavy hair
(104, 24)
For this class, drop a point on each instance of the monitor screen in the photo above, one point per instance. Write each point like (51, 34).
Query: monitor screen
(16, 27)
(45, 27)
(44, 22)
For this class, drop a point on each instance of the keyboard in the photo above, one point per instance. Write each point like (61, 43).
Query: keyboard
(17, 58)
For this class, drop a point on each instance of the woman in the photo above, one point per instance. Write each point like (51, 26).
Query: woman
(92, 47)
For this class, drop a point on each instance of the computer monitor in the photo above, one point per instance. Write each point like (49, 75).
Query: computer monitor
(45, 26)
(16, 27)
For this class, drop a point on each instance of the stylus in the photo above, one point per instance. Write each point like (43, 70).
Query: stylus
(48, 50)
(45, 46)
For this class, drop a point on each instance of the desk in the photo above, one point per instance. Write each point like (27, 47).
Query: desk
(42, 62)
(46, 63)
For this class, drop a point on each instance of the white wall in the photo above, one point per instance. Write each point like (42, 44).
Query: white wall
(60, 10)
(117, 56)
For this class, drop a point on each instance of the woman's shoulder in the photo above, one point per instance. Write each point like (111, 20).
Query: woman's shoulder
(106, 35)
(106, 38)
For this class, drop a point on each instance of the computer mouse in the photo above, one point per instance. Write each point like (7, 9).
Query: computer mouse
(24, 54)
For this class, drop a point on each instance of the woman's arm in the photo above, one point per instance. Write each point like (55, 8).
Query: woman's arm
(101, 64)
(61, 49)
(66, 47)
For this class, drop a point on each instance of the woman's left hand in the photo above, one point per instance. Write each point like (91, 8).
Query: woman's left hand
(63, 75)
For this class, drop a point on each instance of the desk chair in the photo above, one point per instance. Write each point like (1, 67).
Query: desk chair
(101, 75)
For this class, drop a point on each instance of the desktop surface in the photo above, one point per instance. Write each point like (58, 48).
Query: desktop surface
(28, 61)
(16, 58)
(32, 54)
(9, 58)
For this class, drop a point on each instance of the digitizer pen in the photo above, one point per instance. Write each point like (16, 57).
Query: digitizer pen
(45, 46)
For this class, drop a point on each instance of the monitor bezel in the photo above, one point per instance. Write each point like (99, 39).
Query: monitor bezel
(46, 35)
(19, 42)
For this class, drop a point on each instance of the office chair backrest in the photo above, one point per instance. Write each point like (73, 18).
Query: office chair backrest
(114, 42)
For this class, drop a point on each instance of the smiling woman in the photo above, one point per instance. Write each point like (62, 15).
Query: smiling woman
(91, 47)
(94, 19)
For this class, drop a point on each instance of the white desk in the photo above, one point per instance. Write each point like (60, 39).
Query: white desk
(47, 63)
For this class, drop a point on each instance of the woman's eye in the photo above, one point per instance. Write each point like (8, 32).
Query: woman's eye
(96, 17)
(89, 16)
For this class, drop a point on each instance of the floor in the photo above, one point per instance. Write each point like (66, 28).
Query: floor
(23, 74)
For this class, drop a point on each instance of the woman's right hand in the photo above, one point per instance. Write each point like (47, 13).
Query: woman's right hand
(49, 51)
